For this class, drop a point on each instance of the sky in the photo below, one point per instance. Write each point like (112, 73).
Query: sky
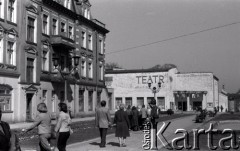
(195, 35)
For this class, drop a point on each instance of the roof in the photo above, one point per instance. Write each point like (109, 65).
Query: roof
(135, 71)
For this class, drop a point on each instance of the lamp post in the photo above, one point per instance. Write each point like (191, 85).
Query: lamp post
(56, 66)
(155, 89)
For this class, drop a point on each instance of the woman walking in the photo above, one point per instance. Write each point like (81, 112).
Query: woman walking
(63, 127)
(122, 125)
(43, 122)
(135, 126)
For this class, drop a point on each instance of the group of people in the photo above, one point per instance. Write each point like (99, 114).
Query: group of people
(124, 120)
(104, 121)
(45, 130)
(137, 116)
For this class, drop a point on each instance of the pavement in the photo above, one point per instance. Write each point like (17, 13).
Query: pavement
(27, 124)
(134, 142)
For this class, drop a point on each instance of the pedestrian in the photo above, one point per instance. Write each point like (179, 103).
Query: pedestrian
(135, 126)
(221, 108)
(43, 122)
(144, 114)
(5, 135)
(103, 121)
(122, 125)
(63, 126)
(129, 113)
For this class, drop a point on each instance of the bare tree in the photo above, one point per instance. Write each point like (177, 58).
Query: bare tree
(166, 66)
(112, 65)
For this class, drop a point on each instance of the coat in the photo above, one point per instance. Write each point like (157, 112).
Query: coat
(102, 117)
(122, 124)
(5, 143)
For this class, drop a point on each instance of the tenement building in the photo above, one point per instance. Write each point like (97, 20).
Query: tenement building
(171, 89)
(51, 51)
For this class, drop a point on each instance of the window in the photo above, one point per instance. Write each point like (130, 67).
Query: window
(161, 103)
(10, 53)
(90, 70)
(86, 13)
(5, 98)
(84, 39)
(30, 29)
(83, 68)
(44, 96)
(67, 4)
(101, 71)
(63, 28)
(128, 101)
(30, 69)
(53, 101)
(62, 95)
(110, 101)
(90, 42)
(98, 97)
(63, 62)
(54, 27)
(70, 32)
(90, 100)
(45, 59)
(81, 100)
(45, 24)
(2, 8)
(118, 102)
(1, 50)
(101, 46)
(140, 101)
(11, 10)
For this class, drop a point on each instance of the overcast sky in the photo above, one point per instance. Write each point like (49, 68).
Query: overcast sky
(133, 23)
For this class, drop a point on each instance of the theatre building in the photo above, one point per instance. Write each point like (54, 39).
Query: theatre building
(51, 51)
(171, 89)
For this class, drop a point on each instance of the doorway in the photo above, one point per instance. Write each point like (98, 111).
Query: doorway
(182, 106)
(29, 107)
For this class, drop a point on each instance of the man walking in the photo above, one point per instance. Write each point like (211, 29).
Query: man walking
(5, 135)
(103, 120)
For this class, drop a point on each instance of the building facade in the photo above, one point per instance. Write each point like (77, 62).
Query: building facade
(32, 34)
(171, 89)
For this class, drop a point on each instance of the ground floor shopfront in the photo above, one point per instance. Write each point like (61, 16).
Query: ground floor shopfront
(19, 101)
(176, 91)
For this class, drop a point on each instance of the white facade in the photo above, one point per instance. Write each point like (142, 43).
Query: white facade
(187, 90)
(223, 101)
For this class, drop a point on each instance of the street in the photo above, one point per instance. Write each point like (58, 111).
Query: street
(134, 142)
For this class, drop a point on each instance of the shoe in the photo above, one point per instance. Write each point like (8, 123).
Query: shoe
(52, 148)
(102, 146)
(120, 145)
(124, 145)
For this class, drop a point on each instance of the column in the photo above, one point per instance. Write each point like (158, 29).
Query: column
(204, 101)
(188, 103)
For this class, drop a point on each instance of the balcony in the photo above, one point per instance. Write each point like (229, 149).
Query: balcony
(61, 40)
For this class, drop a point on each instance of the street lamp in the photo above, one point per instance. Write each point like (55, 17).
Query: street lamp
(155, 89)
(56, 66)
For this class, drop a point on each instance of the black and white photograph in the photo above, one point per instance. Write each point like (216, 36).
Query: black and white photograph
(119, 75)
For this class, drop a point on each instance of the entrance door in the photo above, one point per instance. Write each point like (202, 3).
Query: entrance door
(182, 106)
(29, 107)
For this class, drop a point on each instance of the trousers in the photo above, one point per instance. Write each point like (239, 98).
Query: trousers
(62, 140)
